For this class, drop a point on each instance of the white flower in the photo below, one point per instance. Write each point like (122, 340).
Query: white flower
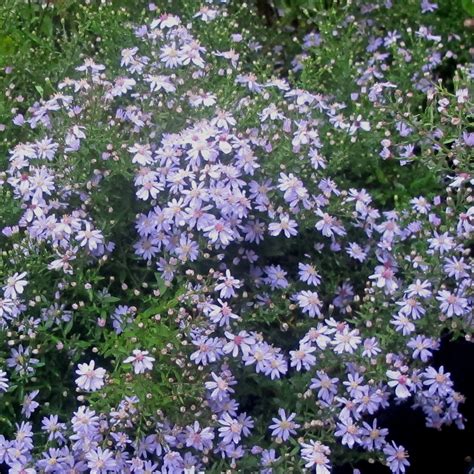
(90, 379)
(140, 360)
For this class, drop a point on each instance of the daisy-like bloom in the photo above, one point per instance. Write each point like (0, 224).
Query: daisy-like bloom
(349, 431)
(346, 341)
(3, 381)
(220, 387)
(284, 426)
(29, 404)
(329, 225)
(197, 438)
(456, 267)
(373, 437)
(230, 430)
(438, 382)
(219, 232)
(54, 429)
(327, 386)
(419, 288)
(309, 303)
(15, 285)
(422, 347)
(101, 461)
(397, 458)
(355, 251)
(90, 237)
(286, 225)
(275, 277)
(441, 243)
(309, 274)
(90, 378)
(140, 360)
(241, 342)
(303, 357)
(141, 154)
(227, 285)
(316, 454)
(371, 347)
(451, 304)
(401, 382)
(221, 314)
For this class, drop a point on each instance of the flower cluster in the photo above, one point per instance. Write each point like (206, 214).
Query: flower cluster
(303, 305)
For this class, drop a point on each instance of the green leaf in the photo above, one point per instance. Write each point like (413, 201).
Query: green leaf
(468, 6)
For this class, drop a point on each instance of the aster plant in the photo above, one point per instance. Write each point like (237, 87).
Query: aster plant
(190, 283)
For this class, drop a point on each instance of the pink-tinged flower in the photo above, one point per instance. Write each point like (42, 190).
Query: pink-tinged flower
(15, 285)
(227, 285)
(316, 454)
(401, 382)
(219, 232)
(328, 225)
(346, 341)
(451, 304)
(141, 154)
(309, 303)
(397, 458)
(197, 438)
(284, 426)
(419, 288)
(140, 360)
(90, 237)
(241, 342)
(221, 314)
(90, 378)
(220, 387)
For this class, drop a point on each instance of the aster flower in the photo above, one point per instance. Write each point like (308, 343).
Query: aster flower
(29, 404)
(308, 274)
(101, 461)
(227, 285)
(90, 378)
(326, 386)
(284, 426)
(309, 303)
(314, 453)
(303, 358)
(140, 360)
(219, 387)
(230, 430)
(401, 382)
(346, 341)
(437, 381)
(199, 438)
(242, 342)
(451, 304)
(15, 285)
(373, 437)
(397, 458)
(348, 431)
(286, 225)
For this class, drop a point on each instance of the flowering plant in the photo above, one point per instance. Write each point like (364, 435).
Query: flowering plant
(221, 296)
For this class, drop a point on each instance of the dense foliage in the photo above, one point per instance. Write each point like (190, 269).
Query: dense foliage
(224, 248)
